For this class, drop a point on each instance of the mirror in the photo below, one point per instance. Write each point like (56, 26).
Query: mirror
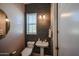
(4, 24)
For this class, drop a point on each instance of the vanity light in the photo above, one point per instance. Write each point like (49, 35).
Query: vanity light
(42, 19)
(42, 16)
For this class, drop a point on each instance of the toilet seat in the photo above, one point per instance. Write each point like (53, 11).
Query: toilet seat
(27, 51)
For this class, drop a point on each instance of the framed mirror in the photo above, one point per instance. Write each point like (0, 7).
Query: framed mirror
(4, 24)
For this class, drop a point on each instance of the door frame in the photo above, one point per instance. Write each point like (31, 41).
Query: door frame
(54, 25)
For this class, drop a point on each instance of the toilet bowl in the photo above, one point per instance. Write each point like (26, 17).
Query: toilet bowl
(28, 50)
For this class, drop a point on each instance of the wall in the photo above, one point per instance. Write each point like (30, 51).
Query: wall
(42, 25)
(42, 28)
(14, 40)
(68, 25)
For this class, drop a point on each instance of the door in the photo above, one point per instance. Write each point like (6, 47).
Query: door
(68, 26)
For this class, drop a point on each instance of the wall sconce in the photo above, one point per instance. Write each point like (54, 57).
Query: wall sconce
(43, 17)
(40, 17)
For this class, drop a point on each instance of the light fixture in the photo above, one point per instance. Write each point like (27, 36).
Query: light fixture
(7, 20)
(42, 17)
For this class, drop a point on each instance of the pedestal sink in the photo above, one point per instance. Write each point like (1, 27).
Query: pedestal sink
(42, 45)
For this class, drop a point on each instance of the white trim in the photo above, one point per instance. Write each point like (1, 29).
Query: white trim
(32, 33)
(54, 27)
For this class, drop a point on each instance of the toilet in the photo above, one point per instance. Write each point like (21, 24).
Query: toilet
(28, 50)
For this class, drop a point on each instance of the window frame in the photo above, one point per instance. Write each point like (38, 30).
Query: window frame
(27, 24)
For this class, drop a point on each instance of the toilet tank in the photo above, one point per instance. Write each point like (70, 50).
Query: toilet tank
(30, 44)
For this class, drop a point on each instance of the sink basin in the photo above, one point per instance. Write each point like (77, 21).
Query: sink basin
(42, 44)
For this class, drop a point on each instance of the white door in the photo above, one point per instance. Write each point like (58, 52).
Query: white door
(68, 26)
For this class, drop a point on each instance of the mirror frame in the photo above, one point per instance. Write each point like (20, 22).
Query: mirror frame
(7, 24)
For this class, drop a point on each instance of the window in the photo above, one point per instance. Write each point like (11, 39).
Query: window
(31, 23)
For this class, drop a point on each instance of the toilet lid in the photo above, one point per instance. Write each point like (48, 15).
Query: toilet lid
(26, 51)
